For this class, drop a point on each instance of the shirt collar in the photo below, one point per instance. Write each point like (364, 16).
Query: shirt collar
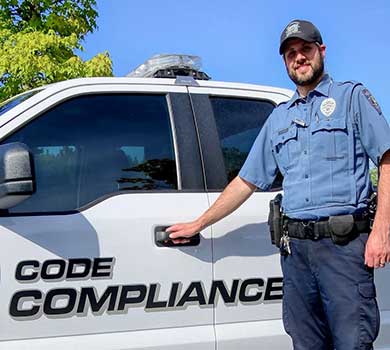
(322, 88)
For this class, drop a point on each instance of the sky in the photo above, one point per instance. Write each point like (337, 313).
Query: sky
(238, 41)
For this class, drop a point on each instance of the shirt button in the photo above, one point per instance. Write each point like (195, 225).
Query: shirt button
(307, 199)
(306, 176)
(304, 152)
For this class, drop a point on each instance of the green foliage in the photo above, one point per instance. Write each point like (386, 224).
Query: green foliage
(374, 176)
(64, 17)
(37, 43)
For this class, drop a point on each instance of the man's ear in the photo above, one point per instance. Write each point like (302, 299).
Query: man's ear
(322, 49)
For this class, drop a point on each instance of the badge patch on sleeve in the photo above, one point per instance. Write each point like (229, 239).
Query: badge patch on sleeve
(372, 100)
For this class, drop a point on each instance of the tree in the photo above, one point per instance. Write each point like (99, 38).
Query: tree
(37, 43)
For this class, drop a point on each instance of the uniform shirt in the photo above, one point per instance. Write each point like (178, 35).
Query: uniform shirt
(322, 145)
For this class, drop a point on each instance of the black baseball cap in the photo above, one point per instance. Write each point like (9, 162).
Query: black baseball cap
(300, 29)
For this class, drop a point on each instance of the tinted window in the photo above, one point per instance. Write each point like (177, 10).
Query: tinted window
(96, 145)
(238, 123)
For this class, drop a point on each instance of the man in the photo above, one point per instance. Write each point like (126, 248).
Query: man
(321, 140)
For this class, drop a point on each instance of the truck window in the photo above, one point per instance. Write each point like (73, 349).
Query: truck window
(96, 145)
(238, 123)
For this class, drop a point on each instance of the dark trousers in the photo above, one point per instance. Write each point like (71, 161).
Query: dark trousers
(329, 296)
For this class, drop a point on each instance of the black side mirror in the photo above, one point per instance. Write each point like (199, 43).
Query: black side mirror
(17, 181)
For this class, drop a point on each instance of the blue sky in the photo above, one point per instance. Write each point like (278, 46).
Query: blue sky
(239, 40)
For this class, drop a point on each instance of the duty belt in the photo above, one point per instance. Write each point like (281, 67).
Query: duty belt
(306, 229)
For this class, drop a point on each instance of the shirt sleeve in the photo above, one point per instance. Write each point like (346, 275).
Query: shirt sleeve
(373, 128)
(260, 167)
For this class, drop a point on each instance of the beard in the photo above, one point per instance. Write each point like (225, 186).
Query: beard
(310, 78)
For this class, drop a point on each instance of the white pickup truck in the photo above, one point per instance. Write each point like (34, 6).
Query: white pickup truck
(91, 173)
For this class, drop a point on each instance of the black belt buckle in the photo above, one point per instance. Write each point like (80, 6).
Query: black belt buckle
(309, 230)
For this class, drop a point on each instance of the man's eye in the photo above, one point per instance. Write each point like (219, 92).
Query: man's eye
(290, 54)
(306, 49)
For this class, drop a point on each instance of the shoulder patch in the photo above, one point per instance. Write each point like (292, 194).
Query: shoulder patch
(371, 99)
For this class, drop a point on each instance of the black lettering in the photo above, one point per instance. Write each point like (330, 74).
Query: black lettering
(48, 265)
(89, 294)
(151, 303)
(198, 297)
(20, 273)
(60, 293)
(100, 269)
(76, 263)
(124, 299)
(34, 295)
(221, 287)
(173, 294)
(274, 285)
(244, 297)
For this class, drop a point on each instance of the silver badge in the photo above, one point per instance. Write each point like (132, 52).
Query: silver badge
(328, 106)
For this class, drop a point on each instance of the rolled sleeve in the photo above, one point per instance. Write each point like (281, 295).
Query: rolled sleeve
(260, 167)
(373, 128)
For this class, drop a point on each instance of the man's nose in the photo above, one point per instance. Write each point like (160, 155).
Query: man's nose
(300, 57)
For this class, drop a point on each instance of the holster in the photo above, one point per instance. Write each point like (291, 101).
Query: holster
(275, 219)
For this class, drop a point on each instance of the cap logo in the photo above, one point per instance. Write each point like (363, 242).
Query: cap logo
(292, 28)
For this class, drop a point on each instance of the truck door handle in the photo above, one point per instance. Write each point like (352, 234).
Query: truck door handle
(161, 238)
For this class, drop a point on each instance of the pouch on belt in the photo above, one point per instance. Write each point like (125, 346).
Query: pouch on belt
(341, 228)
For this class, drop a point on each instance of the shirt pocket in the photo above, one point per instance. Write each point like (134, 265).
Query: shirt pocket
(330, 139)
(286, 146)
(329, 151)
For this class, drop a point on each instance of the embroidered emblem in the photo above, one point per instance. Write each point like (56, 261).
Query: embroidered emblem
(328, 106)
(372, 100)
(293, 28)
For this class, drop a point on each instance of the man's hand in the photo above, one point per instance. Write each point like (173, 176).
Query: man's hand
(236, 193)
(180, 233)
(378, 248)
(378, 244)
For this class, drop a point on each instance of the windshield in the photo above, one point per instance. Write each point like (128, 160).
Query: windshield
(14, 101)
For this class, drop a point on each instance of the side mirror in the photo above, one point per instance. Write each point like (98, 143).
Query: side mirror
(17, 181)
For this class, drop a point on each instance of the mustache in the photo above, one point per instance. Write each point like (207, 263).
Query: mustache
(296, 66)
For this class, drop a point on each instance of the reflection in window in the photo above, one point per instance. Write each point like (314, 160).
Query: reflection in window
(238, 122)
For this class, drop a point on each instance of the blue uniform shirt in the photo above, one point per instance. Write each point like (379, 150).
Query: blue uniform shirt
(322, 145)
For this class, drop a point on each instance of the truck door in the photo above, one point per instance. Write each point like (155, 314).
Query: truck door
(80, 263)
(249, 314)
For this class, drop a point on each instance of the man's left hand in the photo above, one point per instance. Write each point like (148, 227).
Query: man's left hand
(378, 247)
